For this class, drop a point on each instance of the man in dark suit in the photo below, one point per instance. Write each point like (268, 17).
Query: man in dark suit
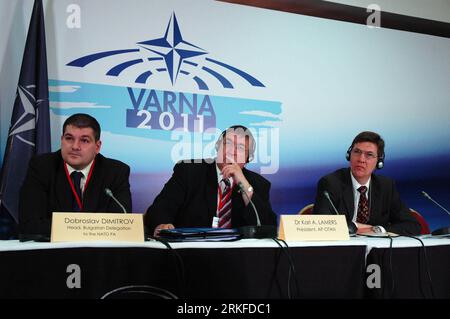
(214, 193)
(71, 179)
(370, 201)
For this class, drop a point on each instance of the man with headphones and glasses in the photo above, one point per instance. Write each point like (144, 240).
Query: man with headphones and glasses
(210, 192)
(370, 201)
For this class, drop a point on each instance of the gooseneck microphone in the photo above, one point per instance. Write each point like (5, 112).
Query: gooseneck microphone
(109, 193)
(352, 229)
(442, 207)
(258, 231)
(327, 195)
(241, 190)
(443, 230)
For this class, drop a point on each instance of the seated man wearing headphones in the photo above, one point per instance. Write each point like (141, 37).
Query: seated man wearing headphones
(368, 200)
(214, 192)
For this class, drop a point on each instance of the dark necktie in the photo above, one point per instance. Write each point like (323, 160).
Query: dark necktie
(224, 213)
(76, 179)
(363, 206)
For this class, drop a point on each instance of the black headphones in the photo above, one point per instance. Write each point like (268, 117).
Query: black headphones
(246, 131)
(380, 162)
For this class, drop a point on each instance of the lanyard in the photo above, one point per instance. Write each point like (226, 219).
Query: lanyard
(72, 187)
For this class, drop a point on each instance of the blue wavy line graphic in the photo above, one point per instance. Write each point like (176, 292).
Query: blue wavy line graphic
(201, 85)
(115, 71)
(250, 79)
(225, 83)
(83, 61)
(190, 63)
(143, 77)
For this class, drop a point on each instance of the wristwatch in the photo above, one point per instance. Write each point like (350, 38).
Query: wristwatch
(377, 229)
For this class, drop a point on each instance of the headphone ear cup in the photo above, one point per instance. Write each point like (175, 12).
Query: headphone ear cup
(380, 164)
(251, 155)
(347, 155)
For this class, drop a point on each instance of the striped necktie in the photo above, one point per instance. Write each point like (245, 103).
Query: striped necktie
(224, 209)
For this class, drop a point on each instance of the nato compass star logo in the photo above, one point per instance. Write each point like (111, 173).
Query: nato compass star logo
(171, 54)
(30, 114)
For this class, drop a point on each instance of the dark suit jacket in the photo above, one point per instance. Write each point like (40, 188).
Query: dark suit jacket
(46, 190)
(189, 199)
(386, 207)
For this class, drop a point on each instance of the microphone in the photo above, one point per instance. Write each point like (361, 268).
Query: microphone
(327, 195)
(241, 190)
(258, 231)
(109, 193)
(352, 229)
(443, 230)
(429, 197)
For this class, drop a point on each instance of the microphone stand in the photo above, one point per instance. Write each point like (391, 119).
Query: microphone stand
(352, 229)
(109, 193)
(258, 231)
(443, 230)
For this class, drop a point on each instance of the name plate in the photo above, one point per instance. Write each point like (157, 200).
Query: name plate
(97, 227)
(313, 227)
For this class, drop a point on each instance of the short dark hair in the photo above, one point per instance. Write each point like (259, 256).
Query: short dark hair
(82, 120)
(371, 137)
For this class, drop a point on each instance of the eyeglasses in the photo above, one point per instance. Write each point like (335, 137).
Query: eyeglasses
(229, 143)
(368, 155)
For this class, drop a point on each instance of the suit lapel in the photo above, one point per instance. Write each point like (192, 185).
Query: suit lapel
(374, 199)
(211, 189)
(63, 191)
(348, 195)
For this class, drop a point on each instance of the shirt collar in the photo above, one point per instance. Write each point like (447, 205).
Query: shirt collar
(357, 185)
(85, 170)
